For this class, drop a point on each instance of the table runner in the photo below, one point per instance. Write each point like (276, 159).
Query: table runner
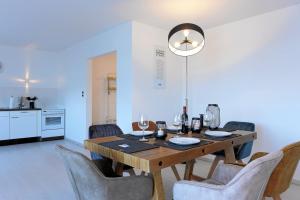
(133, 137)
(168, 144)
(208, 137)
(133, 146)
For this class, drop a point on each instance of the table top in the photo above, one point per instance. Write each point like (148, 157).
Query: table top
(162, 157)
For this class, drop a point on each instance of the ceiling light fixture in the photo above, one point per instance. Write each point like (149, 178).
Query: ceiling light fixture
(190, 37)
(186, 40)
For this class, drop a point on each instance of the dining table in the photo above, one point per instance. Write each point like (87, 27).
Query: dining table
(160, 154)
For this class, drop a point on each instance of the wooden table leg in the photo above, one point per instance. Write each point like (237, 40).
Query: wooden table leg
(189, 167)
(229, 155)
(159, 193)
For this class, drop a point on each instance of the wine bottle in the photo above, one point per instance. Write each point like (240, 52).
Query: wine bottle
(185, 121)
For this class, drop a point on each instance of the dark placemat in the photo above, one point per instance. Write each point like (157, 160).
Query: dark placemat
(180, 147)
(133, 146)
(172, 131)
(133, 137)
(208, 137)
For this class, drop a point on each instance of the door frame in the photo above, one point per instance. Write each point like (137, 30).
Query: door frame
(89, 93)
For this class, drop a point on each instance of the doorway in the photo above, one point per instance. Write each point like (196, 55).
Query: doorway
(103, 88)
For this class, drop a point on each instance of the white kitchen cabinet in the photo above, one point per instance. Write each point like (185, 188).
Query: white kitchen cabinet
(24, 124)
(4, 125)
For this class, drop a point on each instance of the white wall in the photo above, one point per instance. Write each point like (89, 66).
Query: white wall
(157, 104)
(76, 61)
(251, 68)
(103, 101)
(41, 66)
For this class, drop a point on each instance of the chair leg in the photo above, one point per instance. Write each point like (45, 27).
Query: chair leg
(276, 197)
(214, 165)
(174, 169)
(240, 162)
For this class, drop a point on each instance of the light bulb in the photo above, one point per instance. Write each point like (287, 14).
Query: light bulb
(186, 33)
(177, 44)
(194, 43)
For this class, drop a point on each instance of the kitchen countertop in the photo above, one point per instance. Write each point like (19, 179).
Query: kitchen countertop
(19, 109)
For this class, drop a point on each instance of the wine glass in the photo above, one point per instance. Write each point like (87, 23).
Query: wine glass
(143, 124)
(177, 124)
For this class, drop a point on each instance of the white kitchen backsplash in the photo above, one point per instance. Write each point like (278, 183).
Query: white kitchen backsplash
(47, 97)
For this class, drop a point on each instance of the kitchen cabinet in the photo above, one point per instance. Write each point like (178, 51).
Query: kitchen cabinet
(4, 125)
(24, 124)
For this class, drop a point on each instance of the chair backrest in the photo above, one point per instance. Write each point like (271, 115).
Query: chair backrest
(87, 181)
(245, 149)
(282, 176)
(103, 130)
(152, 126)
(253, 178)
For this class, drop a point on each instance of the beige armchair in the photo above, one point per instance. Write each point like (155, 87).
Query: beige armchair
(282, 175)
(231, 181)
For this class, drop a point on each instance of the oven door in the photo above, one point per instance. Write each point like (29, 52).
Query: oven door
(53, 121)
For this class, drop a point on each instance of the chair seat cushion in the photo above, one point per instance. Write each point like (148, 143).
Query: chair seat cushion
(222, 153)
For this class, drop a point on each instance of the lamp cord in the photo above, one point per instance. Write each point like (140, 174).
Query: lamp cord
(186, 81)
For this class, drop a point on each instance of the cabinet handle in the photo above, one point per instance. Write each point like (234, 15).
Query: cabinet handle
(24, 112)
(15, 117)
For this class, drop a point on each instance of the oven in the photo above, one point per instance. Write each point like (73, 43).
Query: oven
(53, 119)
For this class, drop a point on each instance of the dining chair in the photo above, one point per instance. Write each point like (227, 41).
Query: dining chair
(241, 151)
(231, 181)
(89, 183)
(152, 126)
(105, 130)
(282, 176)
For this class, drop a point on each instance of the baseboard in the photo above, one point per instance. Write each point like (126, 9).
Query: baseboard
(52, 138)
(296, 182)
(209, 159)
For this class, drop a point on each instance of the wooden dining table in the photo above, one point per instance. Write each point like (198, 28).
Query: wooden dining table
(154, 160)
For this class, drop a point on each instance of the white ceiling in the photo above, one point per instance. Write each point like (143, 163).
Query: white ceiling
(57, 24)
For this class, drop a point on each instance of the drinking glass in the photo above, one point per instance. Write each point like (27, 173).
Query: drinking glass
(143, 124)
(177, 124)
(207, 118)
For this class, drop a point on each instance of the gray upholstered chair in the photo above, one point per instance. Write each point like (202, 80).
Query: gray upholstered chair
(230, 182)
(105, 130)
(241, 151)
(89, 183)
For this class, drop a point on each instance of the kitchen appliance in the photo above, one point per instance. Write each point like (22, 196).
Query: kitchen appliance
(22, 101)
(11, 102)
(31, 102)
(53, 123)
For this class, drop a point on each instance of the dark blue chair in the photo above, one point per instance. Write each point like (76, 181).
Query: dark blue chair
(106, 130)
(241, 151)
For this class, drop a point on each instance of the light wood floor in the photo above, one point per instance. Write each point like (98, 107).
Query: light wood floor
(34, 171)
